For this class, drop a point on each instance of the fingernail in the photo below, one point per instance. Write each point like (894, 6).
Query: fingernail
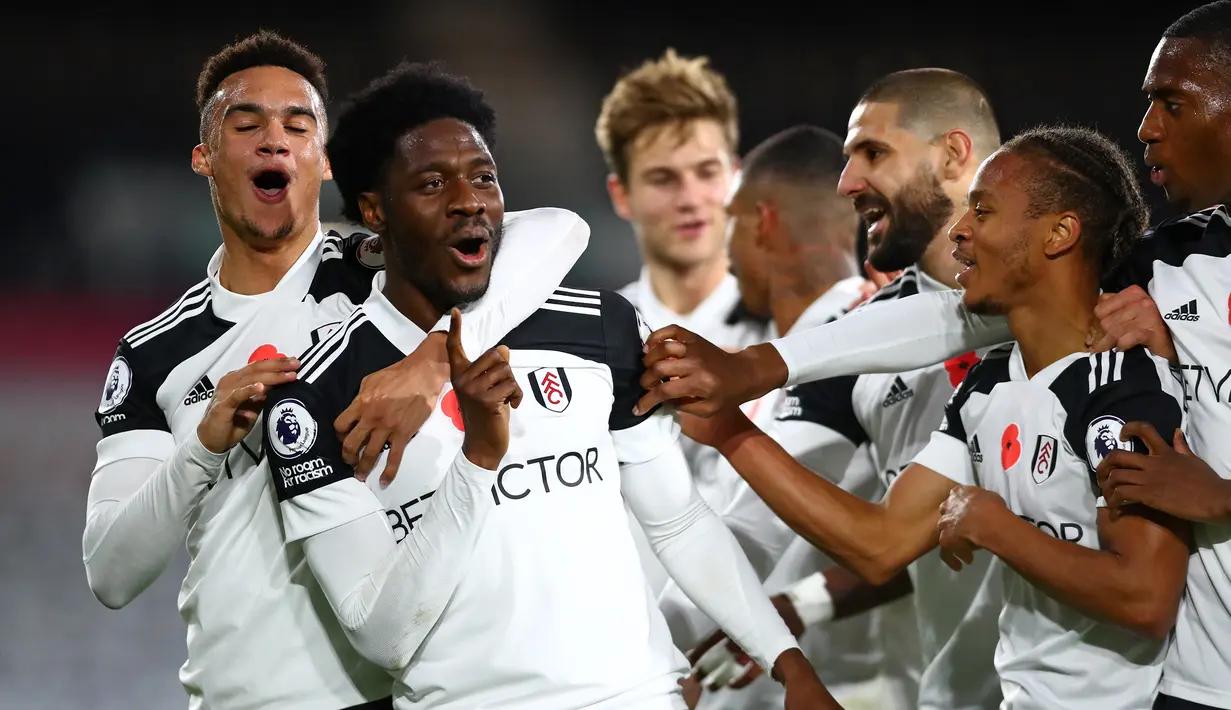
(384, 483)
(363, 477)
(636, 411)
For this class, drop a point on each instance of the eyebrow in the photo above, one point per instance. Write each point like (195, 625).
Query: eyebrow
(862, 144)
(440, 166)
(976, 196)
(260, 111)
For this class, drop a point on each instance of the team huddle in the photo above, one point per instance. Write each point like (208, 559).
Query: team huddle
(986, 468)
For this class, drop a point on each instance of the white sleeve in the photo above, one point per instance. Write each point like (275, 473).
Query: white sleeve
(537, 250)
(137, 508)
(949, 457)
(388, 596)
(702, 556)
(889, 336)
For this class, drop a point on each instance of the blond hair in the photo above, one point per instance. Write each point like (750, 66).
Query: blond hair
(668, 90)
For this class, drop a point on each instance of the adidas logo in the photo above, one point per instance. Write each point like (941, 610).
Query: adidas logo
(201, 391)
(1188, 311)
(898, 392)
(976, 455)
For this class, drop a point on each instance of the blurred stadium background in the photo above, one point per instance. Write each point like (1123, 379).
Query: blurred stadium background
(106, 223)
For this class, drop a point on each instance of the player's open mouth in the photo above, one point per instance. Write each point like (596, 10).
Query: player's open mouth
(1158, 175)
(271, 184)
(470, 249)
(967, 263)
(692, 229)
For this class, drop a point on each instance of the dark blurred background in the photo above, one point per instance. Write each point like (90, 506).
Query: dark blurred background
(105, 223)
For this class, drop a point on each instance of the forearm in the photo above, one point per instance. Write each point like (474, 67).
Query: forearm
(892, 336)
(854, 595)
(136, 518)
(1098, 583)
(388, 596)
(853, 531)
(703, 557)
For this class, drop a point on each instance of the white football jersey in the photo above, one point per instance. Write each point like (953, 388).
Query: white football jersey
(898, 413)
(257, 637)
(553, 611)
(1184, 266)
(249, 651)
(1037, 441)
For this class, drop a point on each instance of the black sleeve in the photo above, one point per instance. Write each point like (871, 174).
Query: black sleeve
(982, 378)
(829, 403)
(624, 334)
(304, 453)
(1093, 427)
(129, 396)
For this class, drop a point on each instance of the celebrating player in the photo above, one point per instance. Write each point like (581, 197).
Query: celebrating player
(1092, 594)
(516, 583)
(1185, 134)
(186, 388)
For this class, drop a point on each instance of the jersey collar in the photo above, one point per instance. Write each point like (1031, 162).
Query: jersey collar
(293, 286)
(713, 309)
(1044, 377)
(397, 328)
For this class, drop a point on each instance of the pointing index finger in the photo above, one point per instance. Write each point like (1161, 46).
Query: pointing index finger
(458, 362)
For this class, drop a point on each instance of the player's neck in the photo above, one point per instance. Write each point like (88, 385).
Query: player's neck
(790, 294)
(1054, 322)
(249, 271)
(412, 302)
(937, 262)
(682, 290)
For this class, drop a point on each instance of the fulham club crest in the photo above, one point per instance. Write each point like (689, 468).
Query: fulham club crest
(551, 388)
(1045, 454)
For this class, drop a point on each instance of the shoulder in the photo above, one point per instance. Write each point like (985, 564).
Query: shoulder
(339, 363)
(350, 256)
(1112, 374)
(989, 371)
(185, 328)
(593, 324)
(1171, 242)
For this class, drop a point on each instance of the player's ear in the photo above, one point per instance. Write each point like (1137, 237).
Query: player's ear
(619, 197)
(767, 230)
(328, 174)
(1065, 232)
(200, 161)
(959, 151)
(373, 213)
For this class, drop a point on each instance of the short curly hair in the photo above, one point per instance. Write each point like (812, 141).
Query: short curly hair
(1087, 172)
(263, 49)
(372, 121)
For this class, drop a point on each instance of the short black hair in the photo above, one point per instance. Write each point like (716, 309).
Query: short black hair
(932, 101)
(1085, 171)
(800, 155)
(1210, 22)
(372, 121)
(263, 49)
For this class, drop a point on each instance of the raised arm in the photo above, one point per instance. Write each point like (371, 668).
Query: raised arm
(144, 486)
(889, 336)
(388, 596)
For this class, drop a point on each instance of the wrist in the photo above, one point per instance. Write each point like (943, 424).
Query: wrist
(735, 432)
(791, 664)
(765, 369)
(991, 533)
(477, 456)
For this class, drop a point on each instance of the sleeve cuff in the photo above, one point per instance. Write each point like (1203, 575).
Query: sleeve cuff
(326, 508)
(647, 440)
(811, 599)
(949, 457)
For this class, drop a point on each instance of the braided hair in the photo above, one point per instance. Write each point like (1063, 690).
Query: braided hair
(1082, 170)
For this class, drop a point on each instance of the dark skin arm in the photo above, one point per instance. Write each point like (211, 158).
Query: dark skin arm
(1134, 580)
(874, 540)
(1169, 478)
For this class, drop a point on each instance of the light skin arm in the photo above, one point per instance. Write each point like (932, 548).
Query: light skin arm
(1135, 580)
(874, 540)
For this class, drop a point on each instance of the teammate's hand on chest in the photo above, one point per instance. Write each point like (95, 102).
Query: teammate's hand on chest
(486, 389)
(238, 399)
(391, 406)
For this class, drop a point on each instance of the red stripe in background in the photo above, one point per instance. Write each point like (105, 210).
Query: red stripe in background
(66, 334)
